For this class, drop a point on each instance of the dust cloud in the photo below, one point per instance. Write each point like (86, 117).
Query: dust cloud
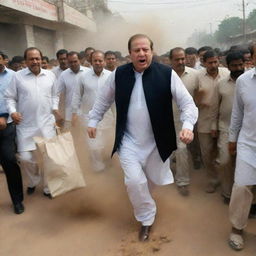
(113, 35)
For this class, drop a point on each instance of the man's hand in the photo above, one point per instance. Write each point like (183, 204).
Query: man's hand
(91, 132)
(16, 117)
(3, 123)
(232, 148)
(58, 118)
(214, 133)
(186, 136)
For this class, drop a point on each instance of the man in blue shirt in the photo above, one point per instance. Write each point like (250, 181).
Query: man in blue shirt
(7, 143)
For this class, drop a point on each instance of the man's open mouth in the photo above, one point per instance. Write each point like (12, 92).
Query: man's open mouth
(142, 61)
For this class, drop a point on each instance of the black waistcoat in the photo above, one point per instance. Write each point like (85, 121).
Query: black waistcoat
(156, 81)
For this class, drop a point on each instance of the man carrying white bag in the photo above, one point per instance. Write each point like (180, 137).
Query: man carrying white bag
(58, 160)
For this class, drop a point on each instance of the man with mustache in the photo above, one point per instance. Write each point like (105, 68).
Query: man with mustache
(222, 108)
(242, 143)
(30, 97)
(208, 79)
(145, 135)
(189, 78)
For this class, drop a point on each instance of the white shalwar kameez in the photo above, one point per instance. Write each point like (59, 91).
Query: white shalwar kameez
(243, 128)
(138, 152)
(84, 97)
(32, 96)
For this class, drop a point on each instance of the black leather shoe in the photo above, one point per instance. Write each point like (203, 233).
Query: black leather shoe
(144, 233)
(48, 195)
(31, 190)
(18, 208)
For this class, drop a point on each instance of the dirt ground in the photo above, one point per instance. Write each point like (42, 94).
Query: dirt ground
(98, 221)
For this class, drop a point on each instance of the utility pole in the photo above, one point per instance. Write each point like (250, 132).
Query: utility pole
(244, 25)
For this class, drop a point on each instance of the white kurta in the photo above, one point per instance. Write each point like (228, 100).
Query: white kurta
(33, 97)
(138, 138)
(138, 153)
(67, 82)
(243, 128)
(85, 94)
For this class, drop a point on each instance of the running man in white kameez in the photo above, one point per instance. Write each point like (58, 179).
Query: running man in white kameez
(83, 99)
(139, 155)
(242, 137)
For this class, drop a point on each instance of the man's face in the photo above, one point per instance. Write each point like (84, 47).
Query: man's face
(33, 61)
(111, 61)
(1, 61)
(236, 68)
(16, 66)
(23, 64)
(98, 62)
(212, 64)
(191, 60)
(44, 64)
(63, 61)
(141, 54)
(74, 63)
(178, 61)
(88, 55)
(201, 56)
(248, 62)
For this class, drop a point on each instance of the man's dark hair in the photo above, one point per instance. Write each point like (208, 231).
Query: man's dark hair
(17, 59)
(190, 51)
(31, 49)
(88, 49)
(234, 55)
(5, 56)
(210, 54)
(60, 52)
(175, 49)
(2, 54)
(73, 53)
(139, 36)
(95, 52)
(204, 48)
(45, 58)
(110, 53)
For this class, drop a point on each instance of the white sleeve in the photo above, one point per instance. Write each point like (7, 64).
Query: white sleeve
(11, 96)
(59, 87)
(184, 101)
(55, 96)
(237, 114)
(77, 95)
(104, 99)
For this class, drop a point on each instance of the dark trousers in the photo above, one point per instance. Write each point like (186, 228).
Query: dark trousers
(9, 163)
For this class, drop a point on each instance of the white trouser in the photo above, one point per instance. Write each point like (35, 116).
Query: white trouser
(138, 188)
(29, 165)
(240, 204)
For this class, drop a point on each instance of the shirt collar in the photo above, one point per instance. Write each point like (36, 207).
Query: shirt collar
(80, 69)
(253, 72)
(101, 74)
(28, 72)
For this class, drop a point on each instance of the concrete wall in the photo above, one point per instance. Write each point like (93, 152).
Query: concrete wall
(12, 39)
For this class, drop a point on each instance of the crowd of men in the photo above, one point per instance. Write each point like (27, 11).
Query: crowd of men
(86, 83)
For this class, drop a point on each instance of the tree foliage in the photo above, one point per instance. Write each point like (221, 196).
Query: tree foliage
(228, 27)
(251, 20)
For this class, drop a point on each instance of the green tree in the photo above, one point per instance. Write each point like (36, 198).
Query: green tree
(251, 20)
(228, 27)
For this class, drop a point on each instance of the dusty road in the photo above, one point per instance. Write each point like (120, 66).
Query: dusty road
(98, 221)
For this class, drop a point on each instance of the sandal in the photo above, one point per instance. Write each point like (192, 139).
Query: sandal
(236, 242)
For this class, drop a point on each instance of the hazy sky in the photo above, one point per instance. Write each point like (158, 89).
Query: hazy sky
(176, 20)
